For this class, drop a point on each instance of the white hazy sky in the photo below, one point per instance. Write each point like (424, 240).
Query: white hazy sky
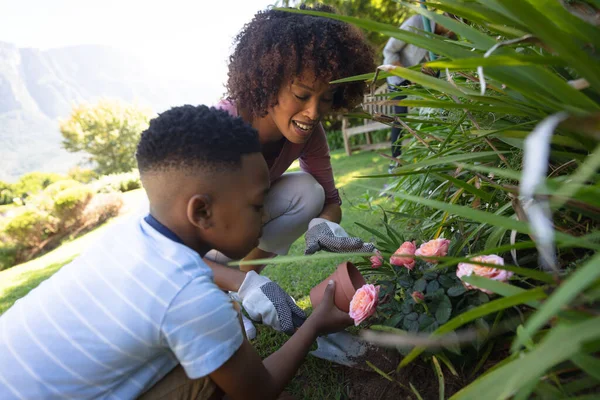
(198, 33)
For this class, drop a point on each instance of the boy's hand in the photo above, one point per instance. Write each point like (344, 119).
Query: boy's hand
(329, 236)
(327, 318)
(265, 301)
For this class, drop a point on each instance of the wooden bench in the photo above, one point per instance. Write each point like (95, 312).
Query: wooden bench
(368, 126)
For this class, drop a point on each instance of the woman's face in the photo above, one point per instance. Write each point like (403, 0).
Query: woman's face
(300, 105)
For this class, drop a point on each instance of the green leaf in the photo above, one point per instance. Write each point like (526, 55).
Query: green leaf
(449, 159)
(440, 376)
(503, 60)
(430, 82)
(588, 363)
(468, 187)
(478, 312)
(575, 284)
(380, 372)
(501, 288)
(373, 231)
(559, 345)
(557, 39)
(457, 290)
(420, 285)
(290, 259)
(432, 287)
(415, 391)
(443, 312)
(493, 219)
(465, 106)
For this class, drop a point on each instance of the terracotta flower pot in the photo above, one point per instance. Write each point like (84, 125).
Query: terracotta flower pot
(347, 281)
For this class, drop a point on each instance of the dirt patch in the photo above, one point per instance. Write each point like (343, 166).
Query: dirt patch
(362, 382)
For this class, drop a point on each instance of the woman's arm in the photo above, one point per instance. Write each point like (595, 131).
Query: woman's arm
(332, 212)
(316, 161)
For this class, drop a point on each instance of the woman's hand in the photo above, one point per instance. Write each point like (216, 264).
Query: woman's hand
(329, 236)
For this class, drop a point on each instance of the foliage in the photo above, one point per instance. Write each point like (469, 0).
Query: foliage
(83, 175)
(444, 296)
(34, 182)
(335, 139)
(7, 193)
(122, 182)
(70, 203)
(526, 119)
(108, 131)
(389, 12)
(30, 228)
(102, 207)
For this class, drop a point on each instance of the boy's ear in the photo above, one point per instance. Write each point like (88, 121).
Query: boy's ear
(199, 211)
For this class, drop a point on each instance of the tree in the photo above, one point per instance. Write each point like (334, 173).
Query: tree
(108, 131)
(383, 11)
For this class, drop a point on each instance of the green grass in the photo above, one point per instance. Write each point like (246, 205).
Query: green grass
(317, 379)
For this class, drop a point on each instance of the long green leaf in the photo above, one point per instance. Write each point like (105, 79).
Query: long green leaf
(501, 288)
(431, 82)
(493, 219)
(575, 284)
(473, 314)
(290, 259)
(533, 16)
(492, 61)
(466, 106)
(448, 159)
(590, 364)
(482, 194)
(559, 344)
(440, 375)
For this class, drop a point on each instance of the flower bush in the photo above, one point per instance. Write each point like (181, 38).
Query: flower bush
(418, 296)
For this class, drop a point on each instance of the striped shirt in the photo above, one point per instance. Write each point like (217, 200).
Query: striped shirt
(116, 320)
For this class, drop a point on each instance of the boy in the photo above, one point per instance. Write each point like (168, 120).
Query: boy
(118, 320)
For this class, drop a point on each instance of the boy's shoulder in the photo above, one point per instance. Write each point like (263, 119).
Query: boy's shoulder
(137, 246)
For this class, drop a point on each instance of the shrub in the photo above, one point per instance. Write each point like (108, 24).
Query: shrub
(70, 203)
(83, 175)
(102, 207)
(7, 193)
(123, 182)
(34, 182)
(30, 228)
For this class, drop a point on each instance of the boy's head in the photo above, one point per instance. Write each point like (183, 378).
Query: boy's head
(205, 178)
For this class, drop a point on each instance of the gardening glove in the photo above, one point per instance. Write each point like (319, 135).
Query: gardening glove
(266, 301)
(329, 236)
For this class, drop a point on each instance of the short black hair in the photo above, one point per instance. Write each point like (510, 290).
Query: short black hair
(195, 137)
(278, 45)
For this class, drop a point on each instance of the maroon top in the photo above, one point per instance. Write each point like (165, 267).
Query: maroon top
(313, 155)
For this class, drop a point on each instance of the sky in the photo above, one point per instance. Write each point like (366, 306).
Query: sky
(195, 34)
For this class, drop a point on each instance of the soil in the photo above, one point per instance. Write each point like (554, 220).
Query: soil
(363, 383)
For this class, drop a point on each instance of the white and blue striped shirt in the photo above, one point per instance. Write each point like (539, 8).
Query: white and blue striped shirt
(116, 320)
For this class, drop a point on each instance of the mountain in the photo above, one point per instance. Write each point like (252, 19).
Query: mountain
(38, 87)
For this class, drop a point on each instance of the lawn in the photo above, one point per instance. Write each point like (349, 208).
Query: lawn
(317, 379)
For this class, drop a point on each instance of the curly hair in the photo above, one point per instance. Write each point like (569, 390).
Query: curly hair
(195, 137)
(277, 46)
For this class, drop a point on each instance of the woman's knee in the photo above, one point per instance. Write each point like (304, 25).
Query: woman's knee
(308, 194)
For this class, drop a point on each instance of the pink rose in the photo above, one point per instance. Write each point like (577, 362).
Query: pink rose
(418, 297)
(402, 256)
(433, 248)
(364, 303)
(466, 269)
(376, 260)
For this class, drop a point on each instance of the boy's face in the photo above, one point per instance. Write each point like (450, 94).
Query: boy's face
(237, 208)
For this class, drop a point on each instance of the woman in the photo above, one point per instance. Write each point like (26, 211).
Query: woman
(278, 82)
